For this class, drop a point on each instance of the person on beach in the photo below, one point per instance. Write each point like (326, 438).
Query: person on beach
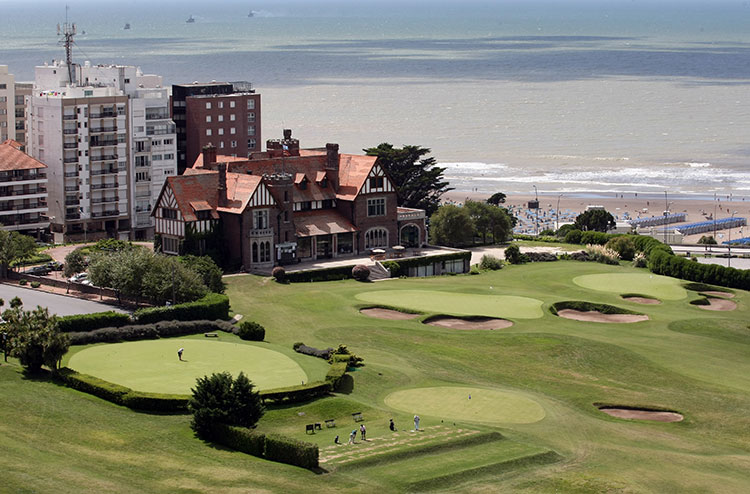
(392, 426)
(416, 422)
(179, 353)
(363, 432)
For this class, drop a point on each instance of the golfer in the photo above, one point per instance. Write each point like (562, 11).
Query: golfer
(179, 353)
(416, 422)
(392, 426)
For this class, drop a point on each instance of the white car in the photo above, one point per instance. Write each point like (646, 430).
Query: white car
(79, 278)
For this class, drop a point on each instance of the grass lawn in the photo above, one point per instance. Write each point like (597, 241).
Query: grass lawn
(460, 304)
(54, 439)
(153, 366)
(468, 404)
(653, 285)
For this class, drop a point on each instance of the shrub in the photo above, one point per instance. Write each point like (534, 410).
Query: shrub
(290, 451)
(336, 374)
(541, 256)
(475, 269)
(327, 274)
(93, 385)
(23, 281)
(149, 331)
(35, 284)
(252, 331)
(624, 247)
(360, 272)
(89, 322)
(296, 394)
(219, 398)
(308, 350)
(640, 261)
(602, 254)
(155, 402)
(491, 263)
(212, 306)
(240, 439)
(573, 237)
(297, 345)
(342, 354)
(513, 255)
(279, 274)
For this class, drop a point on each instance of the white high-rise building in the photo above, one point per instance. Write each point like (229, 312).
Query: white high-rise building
(109, 143)
(7, 104)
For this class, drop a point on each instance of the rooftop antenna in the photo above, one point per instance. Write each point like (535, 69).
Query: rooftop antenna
(67, 32)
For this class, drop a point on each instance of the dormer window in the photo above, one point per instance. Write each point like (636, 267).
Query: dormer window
(324, 182)
(377, 182)
(303, 185)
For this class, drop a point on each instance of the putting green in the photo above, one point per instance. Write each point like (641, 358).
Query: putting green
(153, 366)
(452, 402)
(653, 285)
(458, 304)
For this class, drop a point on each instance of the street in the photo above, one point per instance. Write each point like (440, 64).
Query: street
(57, 304)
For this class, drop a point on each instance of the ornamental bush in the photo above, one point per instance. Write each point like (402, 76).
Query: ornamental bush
(279, 274)
(624, 246)
(360, 272)
(513, 255)
(491, 263)
(252, 331)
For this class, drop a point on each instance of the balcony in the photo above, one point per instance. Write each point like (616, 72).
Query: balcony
(70, 131)
(70, 117)
(73, 216)
(104, 114)
(99, 130)
(260, 232)
(102, 214)
(110, 171)
(70, 160)
(157, 115)
(96, 143)
(70, 145)
(101, 200)
(23, 178)
(71, 188)
(25, 192)
(72, 202)
(104, 186)
(104, 157)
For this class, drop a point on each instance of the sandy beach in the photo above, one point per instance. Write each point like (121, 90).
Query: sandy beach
(635, 205)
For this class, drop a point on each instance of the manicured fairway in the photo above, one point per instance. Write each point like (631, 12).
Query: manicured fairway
(462, 304)
(453, 402)
(661, 287)
(153, 366)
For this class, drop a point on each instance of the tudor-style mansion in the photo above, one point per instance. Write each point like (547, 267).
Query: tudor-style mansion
(283, 205)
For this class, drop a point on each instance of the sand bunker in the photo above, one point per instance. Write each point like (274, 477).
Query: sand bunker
(643, 300)
(594, 316)
(390, 314)
(719, 304)
(642, 414)
(719, 294)
(469, 323)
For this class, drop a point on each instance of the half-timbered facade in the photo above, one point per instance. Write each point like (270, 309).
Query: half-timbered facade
(284, 205)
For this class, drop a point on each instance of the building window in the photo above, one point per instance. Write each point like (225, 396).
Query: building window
(233, 144)
(221, 132)
(208, 105)
(265, 252)
(376, 237)
(221, 144)
(255, 251)
(168, 213)
(251, 143)
(220, 118)
(260, 219)
(170, 245)
(251, 117)
(208, 118)
(376, 207)
(221, 104)
(232, 130)
(208, 132)
(251, 130)
(251, 104)
(231, 104)
(377, 182)
(167, 142)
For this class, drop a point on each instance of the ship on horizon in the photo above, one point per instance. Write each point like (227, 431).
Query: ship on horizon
(190, 19)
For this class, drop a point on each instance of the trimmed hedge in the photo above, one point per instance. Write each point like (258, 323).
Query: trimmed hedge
(290, 451)
(156, 402)
(661, 262)
(252, 331)
(149, 331)
(90, 322)
(240, 439)
(336, 373)
(401, 267)
(312, 351)
(328, 274)
(702, 287)
(295, 394)
(212, 306)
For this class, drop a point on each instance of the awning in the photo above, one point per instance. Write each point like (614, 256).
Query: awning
(327, 222)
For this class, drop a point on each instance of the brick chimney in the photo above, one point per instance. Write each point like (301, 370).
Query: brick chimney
(209, 155)
(332, 157)
(223, 202)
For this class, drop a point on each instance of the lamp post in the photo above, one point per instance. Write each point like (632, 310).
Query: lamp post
(536, 211)
(557, 219)
(729, 244)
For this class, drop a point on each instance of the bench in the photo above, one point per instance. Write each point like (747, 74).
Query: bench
(310, 428)
(330, 423)
(211, 335)
(357, 416)
(318, 426)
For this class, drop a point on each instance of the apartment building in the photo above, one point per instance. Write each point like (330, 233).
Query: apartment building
(105, 134)
(224, 114)
(23, 191)
(12, 107)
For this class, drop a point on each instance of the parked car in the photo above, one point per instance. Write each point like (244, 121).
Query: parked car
(38, 271)
(79, 278)
(55, 265)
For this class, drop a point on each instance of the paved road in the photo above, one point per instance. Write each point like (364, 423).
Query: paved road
(57, 304)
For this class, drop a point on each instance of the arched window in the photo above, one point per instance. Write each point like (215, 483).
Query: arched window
(268, 252)
(255, 251)
(376, 237)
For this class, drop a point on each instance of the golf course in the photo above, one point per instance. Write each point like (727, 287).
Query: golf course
(517, 409)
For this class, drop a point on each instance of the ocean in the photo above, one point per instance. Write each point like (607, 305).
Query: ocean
(570, 96)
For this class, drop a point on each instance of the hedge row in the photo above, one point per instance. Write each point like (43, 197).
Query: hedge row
(328, 274)
(661, 262)
(589, 306)
(121, 395)
(312, 351)
(295, 394)
(336, 373)
(89, 322)
(401, 267)
(212, 306)
(149, 331)
(272, 447)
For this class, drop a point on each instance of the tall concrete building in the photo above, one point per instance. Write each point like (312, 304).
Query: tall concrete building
(105, 133)
(224, 114)
(23, 191)
(13, 98)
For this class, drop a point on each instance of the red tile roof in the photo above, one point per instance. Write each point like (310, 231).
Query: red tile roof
(240, 189)
(12, 158)
(353, 171)
(194, 188)
(321, 222)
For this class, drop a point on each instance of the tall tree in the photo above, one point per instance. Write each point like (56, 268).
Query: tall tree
(34, 338)
(418, 180)
(597, 220)
(14, 247)
(491, 220)
(497, 198)
(452, 226)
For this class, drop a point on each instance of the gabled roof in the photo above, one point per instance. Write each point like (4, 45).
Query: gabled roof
(12, 158)
(353, 171)
(195, 188)
(317, 222)
(240, 189)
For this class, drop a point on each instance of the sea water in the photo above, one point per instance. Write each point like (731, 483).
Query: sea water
(567, 95)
